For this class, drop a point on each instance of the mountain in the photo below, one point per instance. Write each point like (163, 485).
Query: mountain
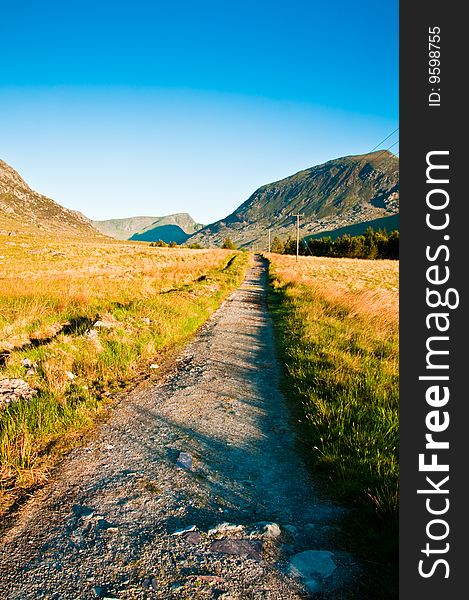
(341, 192)
(22, 210)
(165, 233)
(177, 228)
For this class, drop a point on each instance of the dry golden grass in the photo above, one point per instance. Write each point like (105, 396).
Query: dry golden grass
(42, 279)
(52, 292)
(368, 288)
(339, 323)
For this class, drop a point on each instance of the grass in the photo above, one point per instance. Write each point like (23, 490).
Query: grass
(53, 291)
(337, 321)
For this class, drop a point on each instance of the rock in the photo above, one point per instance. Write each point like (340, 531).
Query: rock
(210, 579)
(70, 375)
(154, 366)
(184, 530)
(27, 363)
(14, 390)
(312, 566)
(108, 447)
(146, 320)
(184, 461)
(225, 527)
(242, 547)
(192, 537)
(266, 530)
(106, 525)
(92, 334)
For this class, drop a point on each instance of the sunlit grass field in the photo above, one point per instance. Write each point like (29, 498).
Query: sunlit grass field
(90, 317)
(341, 337)
(338, 332)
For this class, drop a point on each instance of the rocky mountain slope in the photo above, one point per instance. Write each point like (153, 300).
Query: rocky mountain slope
(150, 229)
(24, 210)
(338, 193)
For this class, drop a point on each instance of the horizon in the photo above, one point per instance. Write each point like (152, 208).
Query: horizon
(189, 109)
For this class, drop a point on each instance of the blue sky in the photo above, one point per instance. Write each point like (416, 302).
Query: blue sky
(117, 108)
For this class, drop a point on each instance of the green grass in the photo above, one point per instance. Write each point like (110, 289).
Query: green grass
(341, 370)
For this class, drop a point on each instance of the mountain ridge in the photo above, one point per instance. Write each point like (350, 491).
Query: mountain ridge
(337, 193)
(147, 228)
(22, 209)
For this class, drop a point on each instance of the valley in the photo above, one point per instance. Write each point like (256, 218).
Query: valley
(272, 381)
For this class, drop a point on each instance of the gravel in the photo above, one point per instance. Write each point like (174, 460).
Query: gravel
(129, 516)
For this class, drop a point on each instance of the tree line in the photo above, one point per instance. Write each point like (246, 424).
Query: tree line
(370, 245)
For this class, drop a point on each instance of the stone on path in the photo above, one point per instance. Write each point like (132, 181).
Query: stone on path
(192, 537)
(209, 579)
(265, 529)
(184, 530)
(224, 528)
(243, 547)
(311, 566)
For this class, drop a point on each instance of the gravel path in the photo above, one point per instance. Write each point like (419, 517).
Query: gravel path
(192, 489)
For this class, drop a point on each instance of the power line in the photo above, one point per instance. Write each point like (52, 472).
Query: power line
(307, 246)
(382, 141)
(387, 149)
(298, 215)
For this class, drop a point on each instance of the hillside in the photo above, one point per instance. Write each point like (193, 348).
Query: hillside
(338, 193)
(150, 229)
(22, 210)
(386, 223)
(165, 233)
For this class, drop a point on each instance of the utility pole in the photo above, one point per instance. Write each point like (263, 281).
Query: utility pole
(298, 215)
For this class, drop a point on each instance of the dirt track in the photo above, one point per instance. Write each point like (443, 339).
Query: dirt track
(109, 524)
